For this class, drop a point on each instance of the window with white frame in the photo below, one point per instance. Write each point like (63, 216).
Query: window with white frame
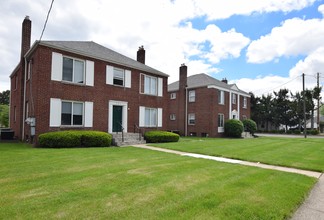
(73, 70)
(150, 85)
(234, 98)
(72, 113)
(119, 77)
(244, 102)
(192, 96)
(221, 97)
(173, 95)
(220, 120)
(150, 117)
(29, 69)
(172, 117)
(191, 119)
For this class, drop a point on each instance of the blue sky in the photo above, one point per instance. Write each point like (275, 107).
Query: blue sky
(259, 45)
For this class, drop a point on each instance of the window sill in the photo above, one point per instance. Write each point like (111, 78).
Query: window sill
(72, 83)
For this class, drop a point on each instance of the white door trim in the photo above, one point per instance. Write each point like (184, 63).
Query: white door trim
(110, 114)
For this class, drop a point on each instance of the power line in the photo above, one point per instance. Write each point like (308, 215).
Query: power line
(281, 85)
(48, 13)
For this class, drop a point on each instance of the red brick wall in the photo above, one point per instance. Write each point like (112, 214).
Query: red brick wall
(206, 109)
(43, 88)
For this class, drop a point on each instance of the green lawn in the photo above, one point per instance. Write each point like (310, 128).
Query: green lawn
(291, 152)
(131, 183)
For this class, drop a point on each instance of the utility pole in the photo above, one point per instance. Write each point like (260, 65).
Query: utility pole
(304, 98)
(318, 105)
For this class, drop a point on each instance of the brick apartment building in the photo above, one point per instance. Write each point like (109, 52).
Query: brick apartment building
(60, 85)
(199, 105)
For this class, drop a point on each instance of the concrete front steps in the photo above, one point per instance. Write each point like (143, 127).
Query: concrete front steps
(129, 139)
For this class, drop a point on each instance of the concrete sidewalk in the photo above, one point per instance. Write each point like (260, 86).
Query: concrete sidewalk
(311, 209)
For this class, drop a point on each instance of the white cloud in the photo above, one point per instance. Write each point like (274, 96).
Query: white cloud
(225, 9)
(294, 37)
(162, 26)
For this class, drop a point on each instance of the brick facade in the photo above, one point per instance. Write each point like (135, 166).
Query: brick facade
(36, 93)
(206, 106)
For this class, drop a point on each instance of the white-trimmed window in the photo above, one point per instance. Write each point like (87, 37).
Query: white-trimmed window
(173, 95)
(29, 72)
(192, 96)
(72, 113)
(191, 118)
(220, 120)
(150, 85)
(73, 70)
(233, 98)
(172, 117)
(244, 102)
(119, 76)
(221, 97)
(150, 117)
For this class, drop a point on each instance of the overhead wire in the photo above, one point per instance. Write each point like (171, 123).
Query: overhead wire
(48, 13)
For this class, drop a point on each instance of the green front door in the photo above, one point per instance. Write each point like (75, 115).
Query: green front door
(117, 118)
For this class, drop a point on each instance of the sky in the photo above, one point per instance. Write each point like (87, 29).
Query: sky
(261, 46)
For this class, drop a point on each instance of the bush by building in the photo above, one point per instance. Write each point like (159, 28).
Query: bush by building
(161, 137)
(233, 128)
(70, 139)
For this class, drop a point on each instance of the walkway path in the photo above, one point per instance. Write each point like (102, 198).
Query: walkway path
(311, 209)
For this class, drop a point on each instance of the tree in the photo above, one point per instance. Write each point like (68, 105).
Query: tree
(4, 97)
(282, 108)
(4, 115)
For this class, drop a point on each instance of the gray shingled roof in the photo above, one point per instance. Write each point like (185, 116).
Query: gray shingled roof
(97, 51)
(203, 80)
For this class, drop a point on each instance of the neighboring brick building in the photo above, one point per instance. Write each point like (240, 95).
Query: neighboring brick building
(61, 85)
(199, 105)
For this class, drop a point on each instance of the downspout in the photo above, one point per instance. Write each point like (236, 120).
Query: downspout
(186, 113)
(24, 104)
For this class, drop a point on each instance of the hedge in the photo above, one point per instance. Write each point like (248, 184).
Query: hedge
(233, 128)
(160, 137)
(69, 139)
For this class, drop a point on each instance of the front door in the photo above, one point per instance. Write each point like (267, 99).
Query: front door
(117, 118)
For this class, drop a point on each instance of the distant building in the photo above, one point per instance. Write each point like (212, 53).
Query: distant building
(199, 105)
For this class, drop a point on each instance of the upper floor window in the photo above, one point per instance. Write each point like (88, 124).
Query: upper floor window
(29, 72)
(234, 98)
(244, 102)
(72, 113)
(73, 70)
(119, 77)
(192, 96)
(150, 85)
(191, 119)
(173, 95)
(221, 97)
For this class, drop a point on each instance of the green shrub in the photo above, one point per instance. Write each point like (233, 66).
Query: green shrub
(312, 132)
(161, 137)
(233, 128)
(249, 125)
(69, 139)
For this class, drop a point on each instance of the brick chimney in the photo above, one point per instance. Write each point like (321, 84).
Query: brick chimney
(25, 36)
(141, 54)
(224, 80)
(183, 76)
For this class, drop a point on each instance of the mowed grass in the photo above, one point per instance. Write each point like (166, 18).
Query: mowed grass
(291, 152)
(132, 183)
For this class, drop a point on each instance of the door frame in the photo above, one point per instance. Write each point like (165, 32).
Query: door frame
(124, 114)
